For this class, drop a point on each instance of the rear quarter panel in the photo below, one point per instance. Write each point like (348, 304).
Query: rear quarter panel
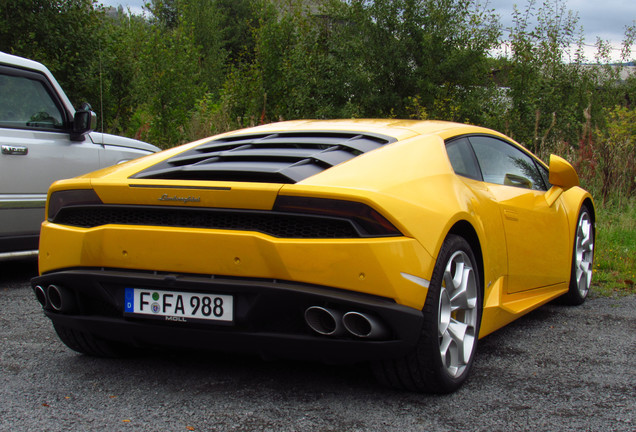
(412, 183)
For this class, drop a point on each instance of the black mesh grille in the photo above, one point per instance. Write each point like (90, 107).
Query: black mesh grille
(270, 158)
(271, 223)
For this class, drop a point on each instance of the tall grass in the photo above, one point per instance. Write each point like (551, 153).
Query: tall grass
(615, 254)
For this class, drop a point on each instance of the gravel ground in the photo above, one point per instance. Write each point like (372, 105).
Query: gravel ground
(558, 368)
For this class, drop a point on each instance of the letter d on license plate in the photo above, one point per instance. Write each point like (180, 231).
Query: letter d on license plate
(178, 305)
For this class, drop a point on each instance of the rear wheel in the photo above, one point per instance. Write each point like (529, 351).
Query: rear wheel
(582, 259)
(444, 355)
(86, 343)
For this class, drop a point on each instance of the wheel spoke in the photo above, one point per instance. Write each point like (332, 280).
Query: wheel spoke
(584, 265)
(457, 344)
(444, 312)
(586, 243)
(449, 279)
(444, 345)
(465, 296)
(448, 352)
(458, 332)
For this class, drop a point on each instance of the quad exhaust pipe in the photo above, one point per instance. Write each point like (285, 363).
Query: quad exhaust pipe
(324, 321)
(40, 294)
(364, 326)
(331, 322)
(55, 297)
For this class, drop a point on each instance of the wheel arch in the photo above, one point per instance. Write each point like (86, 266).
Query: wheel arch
(576, 293)
(587, 202)
(590, 205)
(574, 199)
(465, 230)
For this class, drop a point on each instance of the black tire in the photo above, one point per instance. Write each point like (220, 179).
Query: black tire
(438, 364)
(88, 344)
(582, 259)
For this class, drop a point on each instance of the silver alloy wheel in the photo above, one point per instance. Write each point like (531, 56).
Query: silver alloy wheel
(457, 317)
(584, 254)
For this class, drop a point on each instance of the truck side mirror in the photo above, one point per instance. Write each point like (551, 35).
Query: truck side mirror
(84, 121)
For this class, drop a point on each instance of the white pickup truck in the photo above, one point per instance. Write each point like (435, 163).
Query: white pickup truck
(44, 139)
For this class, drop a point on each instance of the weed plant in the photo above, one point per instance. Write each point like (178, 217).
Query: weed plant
(615, 254)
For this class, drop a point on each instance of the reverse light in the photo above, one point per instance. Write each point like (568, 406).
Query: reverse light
(361, 214)
(74, 197)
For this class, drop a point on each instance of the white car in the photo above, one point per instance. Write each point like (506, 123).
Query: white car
(44, 139)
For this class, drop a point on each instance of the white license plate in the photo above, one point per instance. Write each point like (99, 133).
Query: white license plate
(178, 306)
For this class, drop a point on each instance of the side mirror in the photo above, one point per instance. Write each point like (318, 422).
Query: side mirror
(562, 174)
(517, 180)
(85, 121)
(562, 177)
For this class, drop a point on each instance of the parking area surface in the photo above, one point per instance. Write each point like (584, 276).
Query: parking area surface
(558, 368)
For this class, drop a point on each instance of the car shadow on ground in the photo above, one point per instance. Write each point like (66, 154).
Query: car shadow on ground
(17, 271)
(210, 372)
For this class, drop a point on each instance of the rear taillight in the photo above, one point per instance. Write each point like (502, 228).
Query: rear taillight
(365, 217)
(66, 198)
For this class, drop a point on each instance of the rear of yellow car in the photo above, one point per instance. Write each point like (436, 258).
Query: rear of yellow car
(140, 256)
(324, 240)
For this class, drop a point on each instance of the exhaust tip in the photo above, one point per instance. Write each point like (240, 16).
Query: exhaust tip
(61, 299)
(40, 295)
(54, 295)
(324, 321)
(364, 326)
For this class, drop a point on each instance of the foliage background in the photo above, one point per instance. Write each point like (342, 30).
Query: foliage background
(193, 68)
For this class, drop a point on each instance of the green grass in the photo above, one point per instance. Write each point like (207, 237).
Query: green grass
(615, 254)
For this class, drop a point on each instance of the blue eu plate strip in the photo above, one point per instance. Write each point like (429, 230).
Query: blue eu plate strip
(129, 300)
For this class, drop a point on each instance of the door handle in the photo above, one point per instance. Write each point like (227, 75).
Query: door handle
(15, 150)
(511, 215)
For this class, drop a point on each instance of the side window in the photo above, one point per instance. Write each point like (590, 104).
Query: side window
(462, 158)
(25, 103)
(545, 175)
(502, 163)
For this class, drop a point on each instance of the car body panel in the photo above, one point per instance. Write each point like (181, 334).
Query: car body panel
(526, 211)
(259, 196)
(501, 308)
(354, 265)
(123, 144)
(47, 160)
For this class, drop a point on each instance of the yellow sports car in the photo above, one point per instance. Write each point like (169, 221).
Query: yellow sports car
(390, 241)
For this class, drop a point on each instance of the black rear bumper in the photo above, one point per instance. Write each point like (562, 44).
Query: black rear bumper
(268, 316)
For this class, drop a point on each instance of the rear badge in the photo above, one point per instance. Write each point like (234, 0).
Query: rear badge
(185, 200)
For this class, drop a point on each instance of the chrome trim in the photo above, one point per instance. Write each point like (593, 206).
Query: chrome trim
(16, 201)
(327, 322)
(185, 200)
(6, 256)
(15, 150)
(418, 280)
(224, 188)
(364, 326)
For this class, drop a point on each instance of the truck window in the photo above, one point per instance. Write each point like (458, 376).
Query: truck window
(25, 103)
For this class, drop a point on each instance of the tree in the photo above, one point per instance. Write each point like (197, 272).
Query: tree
(615, 154)
(431, 50)
(374, 59)
(60, 34)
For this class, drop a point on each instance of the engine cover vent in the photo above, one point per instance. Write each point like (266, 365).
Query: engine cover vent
(286, 157)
